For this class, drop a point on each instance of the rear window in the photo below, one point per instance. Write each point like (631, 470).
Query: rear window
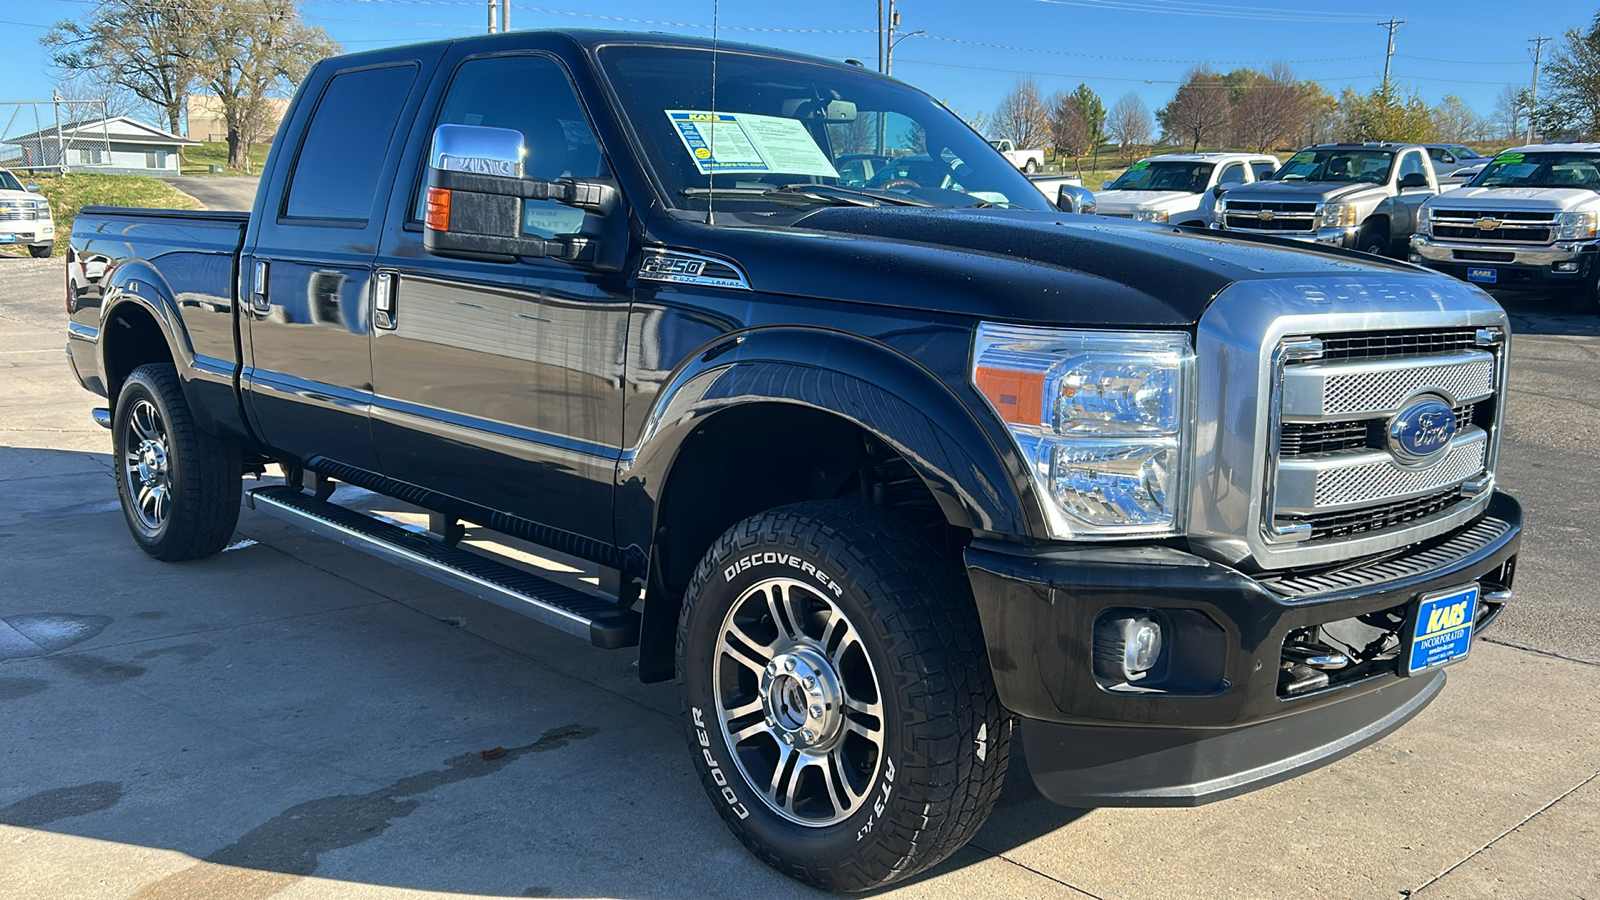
(341, 159)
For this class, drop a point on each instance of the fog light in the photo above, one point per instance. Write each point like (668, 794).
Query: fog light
(1126, 648)
(1570, 266)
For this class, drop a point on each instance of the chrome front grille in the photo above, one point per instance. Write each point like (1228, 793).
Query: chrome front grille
(15, 213)
(1331, 472)
(1271, 217)
(1495, 226)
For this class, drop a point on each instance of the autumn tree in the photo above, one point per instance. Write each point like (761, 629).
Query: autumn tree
(1270, 111)
(1570, 107)
(1129, 124)
(250, 50)
(1021, 116)
(1094, 118)
(1199, 111)
(1321, 111)
(1069, 130)
(145, 48)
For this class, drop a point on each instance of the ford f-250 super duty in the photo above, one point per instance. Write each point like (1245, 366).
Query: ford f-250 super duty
(877, 471)
(1530, 219)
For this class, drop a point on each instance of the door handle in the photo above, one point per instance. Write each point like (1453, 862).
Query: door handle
(383, 301)
(259, 304)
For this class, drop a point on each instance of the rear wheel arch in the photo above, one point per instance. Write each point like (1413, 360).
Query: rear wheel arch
(131, 336)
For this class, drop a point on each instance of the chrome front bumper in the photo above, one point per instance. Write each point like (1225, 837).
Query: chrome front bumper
(1332, 237)
(1430, 249)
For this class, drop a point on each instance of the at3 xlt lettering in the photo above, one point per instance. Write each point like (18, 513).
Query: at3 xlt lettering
(876, 452)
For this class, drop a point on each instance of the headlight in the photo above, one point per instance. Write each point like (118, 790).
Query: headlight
(1101, 418)
(1425, 223)
(1578, 226)
(1150, 215)
(1338, 215)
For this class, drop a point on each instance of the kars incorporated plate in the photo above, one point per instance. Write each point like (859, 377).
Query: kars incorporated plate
(1483, 276)
(1441, 631)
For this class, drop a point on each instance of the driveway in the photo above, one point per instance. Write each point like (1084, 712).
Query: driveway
(219, 192)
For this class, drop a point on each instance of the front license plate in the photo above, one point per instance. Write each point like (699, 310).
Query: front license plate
(1483, 276)
(7, 238)
(1441, 632)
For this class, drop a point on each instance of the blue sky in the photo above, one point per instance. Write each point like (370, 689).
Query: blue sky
(973, 49)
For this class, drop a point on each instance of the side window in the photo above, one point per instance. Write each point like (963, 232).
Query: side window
(530, 94)
(1411, 164)
(1263, 170)
(1440, 154)
(1233, 174)
(336, 173)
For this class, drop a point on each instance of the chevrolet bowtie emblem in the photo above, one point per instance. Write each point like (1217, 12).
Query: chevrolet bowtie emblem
(1267, 215)
(1488, 224)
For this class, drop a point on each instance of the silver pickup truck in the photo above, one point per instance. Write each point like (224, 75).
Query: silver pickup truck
(1531, 219)
(1359, 196)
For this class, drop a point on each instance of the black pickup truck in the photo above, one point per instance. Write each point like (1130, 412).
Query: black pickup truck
(878, 453)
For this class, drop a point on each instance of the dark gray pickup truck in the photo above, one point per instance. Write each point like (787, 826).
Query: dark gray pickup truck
(884, 463)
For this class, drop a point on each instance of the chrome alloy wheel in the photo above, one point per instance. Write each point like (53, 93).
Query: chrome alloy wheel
(799, 702)
(146, 454)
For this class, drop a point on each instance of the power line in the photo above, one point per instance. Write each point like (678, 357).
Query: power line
(1260, 15)
(586, 15)
(1219, 62)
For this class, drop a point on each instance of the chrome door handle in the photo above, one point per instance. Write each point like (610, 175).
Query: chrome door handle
(383, 301)
(259, 304)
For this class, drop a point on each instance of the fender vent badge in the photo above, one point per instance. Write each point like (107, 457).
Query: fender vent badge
(687, 268)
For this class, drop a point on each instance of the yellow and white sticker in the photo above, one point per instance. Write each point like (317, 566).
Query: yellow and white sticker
(745, 142)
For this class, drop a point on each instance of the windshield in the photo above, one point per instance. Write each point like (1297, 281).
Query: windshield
(9, 182)
(835, 134)
(1542, 170)
(1165, 176)
(1464, 152)
(1338, 164)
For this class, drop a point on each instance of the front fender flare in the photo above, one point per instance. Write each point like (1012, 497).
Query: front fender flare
(877, 389)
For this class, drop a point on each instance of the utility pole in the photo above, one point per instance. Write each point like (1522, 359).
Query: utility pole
(1533, 100)
(492, 4)
(1392, 24)
(880, 37)
(505, 16)
(894, 22)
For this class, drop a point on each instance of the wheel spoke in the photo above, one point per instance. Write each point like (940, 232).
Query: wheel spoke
(861, 706)
(159, 504)
(838, 769)
(783, 612)
(778, 772)
(850, 640)
(875, 735)
(144, 500)
(743, 648)
(739, 712)
(828, 765)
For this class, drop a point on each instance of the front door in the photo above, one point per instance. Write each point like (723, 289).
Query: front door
(501, 383)
(306, 277)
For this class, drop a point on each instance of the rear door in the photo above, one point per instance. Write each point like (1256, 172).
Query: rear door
(502, 383)
(306, 276)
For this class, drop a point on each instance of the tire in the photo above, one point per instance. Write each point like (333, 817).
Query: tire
(885, 628)
(178, 485)
(40, 252)
(1374, 241)
(1030, 167)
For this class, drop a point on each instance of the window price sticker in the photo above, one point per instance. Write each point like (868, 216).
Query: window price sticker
(744, 142)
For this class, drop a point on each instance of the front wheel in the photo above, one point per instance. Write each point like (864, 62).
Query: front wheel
(1374, 241)
(40, 252)
(837, 695)
(179, 486)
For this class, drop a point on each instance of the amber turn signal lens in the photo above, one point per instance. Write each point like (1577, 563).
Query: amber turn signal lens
(1017, 396)
(438, 212)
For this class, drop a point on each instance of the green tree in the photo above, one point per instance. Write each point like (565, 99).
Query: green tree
(1570, 107)
(145, 48)
(1388, 113)
(1094, 118)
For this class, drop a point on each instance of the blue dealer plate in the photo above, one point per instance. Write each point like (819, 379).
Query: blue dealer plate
(1483, 276)
(7, 238)
(1441, 633)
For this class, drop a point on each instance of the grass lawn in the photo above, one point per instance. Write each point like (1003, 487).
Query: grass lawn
(69, 193)
(199, 160)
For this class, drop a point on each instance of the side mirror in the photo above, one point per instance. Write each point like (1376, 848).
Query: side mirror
(1071, 198)
(476, 193)
(1105, 185)
(1221, 189)
(1414, 180)
(31, 188)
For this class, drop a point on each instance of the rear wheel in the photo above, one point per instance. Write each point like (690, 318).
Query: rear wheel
(837, 695)
(1030, 167)
(40, 252)
(179, 486)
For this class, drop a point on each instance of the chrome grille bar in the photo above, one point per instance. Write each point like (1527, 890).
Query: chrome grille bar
(1346, 390)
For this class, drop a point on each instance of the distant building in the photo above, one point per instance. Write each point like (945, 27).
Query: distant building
(206, 122)
(116, 145)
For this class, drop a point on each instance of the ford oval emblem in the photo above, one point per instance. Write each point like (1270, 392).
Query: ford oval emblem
(1422, 431)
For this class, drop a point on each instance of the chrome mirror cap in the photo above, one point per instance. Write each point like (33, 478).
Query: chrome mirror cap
(478, 149)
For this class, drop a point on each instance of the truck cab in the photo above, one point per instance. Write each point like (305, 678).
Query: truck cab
(1180, 188)
(1358, 196)
(1528, 220)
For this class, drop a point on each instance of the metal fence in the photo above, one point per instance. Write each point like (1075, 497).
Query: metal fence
(56, 135)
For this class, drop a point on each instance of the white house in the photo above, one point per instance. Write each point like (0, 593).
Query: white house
(116, 145)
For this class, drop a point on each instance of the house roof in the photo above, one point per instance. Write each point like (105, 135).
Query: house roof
(116, 129)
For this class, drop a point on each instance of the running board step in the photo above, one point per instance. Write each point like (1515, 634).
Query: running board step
(569, 609)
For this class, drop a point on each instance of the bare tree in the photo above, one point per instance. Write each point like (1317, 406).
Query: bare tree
(1069, 130)
(251, 50)
(1454, 120)
(1510, 111)
(1129, 124)
(1321, 108)
(1270, 111)
(1021, 117)
(146, 48)
(1199, 111)
(115, 100)
(1571, 107)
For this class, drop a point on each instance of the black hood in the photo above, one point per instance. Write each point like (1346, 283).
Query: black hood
(1301, 190)
(1046, 268)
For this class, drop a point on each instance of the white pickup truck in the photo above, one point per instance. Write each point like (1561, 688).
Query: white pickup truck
(1029, 161)
(1530, 219)
(25, 217)
(1180, 188)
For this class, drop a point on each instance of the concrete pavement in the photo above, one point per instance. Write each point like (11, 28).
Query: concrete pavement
(294, 719)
